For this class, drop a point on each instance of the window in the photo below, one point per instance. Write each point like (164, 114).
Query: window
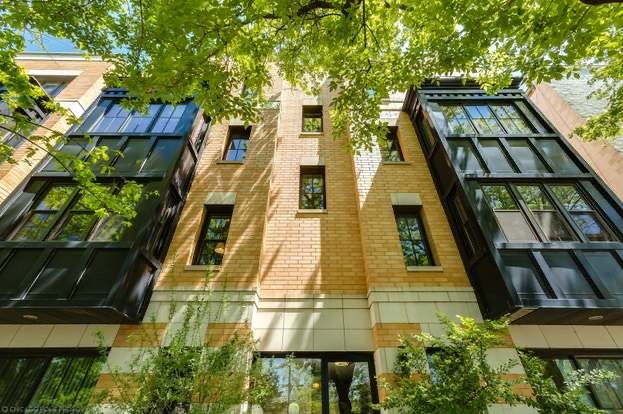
(312, 190)
(48, 382)
(546, 215)
(237, 143)
(484, 119)
(556, 156)
(390, 146)
(526, 156)
(312, 384)
(412, 237)
(110, 117)
(161, 154)
(74, 147)
(582, 213)
(312, 118)
(463, 155)
(494, 156)
(554, 210)
(510, 218)
(61, 214)
(45, 213)
(606, 396)
(213, 236)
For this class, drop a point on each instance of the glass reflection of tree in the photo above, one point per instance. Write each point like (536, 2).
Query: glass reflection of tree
(297, 385)
(349, 391)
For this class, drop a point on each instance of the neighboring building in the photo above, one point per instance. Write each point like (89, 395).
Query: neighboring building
(472, 205)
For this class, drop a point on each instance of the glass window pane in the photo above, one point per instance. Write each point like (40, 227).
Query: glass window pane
(515, 226)
(390, 147)
(18, 379)
(312, 191)
(499, 198)
(169, 118)
(412, 241)
(556, 156)
(528, 160)
(548, 218)
(494, 156)
(133, 155)
(464, 156)
(296, 385)
(36, 227)
(162, 155)
(77, 226)
(570, 198)
(112, 121)
(349, 388)
(110, 229)
(592, 227)
(140, 122)
(456, 120)
(237, 149)
(483, 119)
(609, 395)
(511, 119)
(74, 147)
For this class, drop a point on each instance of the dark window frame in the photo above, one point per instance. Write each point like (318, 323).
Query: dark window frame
(490, 104)
(62, 214)
(47, 355)
(567, 220)
(415, 212)
(390, 144)
(315, 112)
(233, 134)
(325, 358)
(210, 211)
(573, 354)
(313, 171)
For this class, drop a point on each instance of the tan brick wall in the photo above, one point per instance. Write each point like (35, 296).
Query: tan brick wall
(84, 88)
(375, 183)
(302, 252)
(602, 157)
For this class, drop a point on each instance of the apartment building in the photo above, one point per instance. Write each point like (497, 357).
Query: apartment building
(473, 205)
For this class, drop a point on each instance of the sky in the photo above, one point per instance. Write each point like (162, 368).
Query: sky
(49, 44)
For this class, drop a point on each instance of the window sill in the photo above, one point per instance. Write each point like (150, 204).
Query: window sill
(229, 162)
(397, 162)
(311, 134)
(312, 211)
(200, 268)
(424, 269)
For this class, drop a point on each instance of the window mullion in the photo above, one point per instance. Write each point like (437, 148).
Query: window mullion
(540, 154)
(507, 148)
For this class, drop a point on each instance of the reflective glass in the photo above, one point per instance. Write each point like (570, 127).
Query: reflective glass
(494, 156)
(528, 160)
(511, 119)
(464, 156)
(556, 156)
(162, 155)
(483, 119)
(457, 120)
(349, 388)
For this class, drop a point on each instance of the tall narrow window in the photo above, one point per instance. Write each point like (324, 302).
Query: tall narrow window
(583, 214)
(510, 218)
(556, 156)
(312, 190)
(41, 218)
(213, 235)
(463, 155)
(549, 219)
(312, 118)
(412, 237)
(237, 143)
(526, 156)
(390, 146)
(494, 156)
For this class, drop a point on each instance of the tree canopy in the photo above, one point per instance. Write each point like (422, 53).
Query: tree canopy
(208, 49)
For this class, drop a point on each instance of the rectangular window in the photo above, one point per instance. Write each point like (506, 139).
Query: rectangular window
(463, 155)
(213, 238)
(390, 146)
(112, 120)
(312, 190)
(312, 118)
(510, 218)
(484, 119)
(526, 156)
(77, 223)
(556, 156)
(607, 396)
(413, 237)
(237, 143)
(590, 223)
(494, 156)
(312, 384)
(169, 119)
(549, 219)
(48, 383)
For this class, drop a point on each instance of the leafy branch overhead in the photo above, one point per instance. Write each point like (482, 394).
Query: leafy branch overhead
(208, 49)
